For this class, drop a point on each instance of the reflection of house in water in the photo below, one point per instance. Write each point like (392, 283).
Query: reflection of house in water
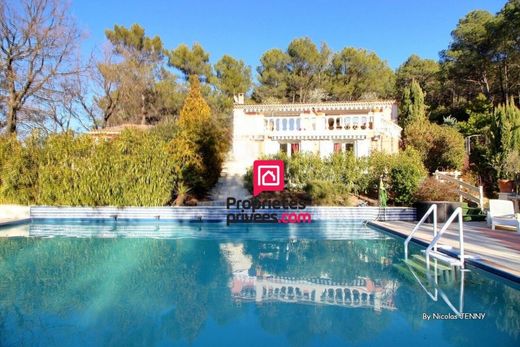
(361, 292)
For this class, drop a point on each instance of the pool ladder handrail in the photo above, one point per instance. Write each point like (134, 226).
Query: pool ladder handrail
(438, 290)
(432, 209)
(433, 244)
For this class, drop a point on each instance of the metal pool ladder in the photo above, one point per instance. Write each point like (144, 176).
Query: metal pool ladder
(431, 250)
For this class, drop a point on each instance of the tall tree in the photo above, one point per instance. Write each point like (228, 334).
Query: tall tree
(233, 76)
(194, 61)
(506, 128)
(505, 41)
(412, 107)
(272, 76)
(38, 51)
(137, 72)
(306, 68)
(425, 72)
(198, 126)
(468, 58)
(359, 74)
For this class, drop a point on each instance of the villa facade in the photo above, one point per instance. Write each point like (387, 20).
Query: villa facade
(321, 128)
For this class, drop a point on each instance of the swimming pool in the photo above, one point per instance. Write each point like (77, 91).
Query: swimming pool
(205, 284)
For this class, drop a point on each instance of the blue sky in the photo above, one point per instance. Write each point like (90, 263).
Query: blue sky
(245, 29)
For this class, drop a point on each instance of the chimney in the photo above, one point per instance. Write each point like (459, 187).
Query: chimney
(239, 98)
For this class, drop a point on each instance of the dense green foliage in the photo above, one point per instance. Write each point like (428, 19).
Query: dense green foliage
(405, 177)
(432, 189)
(198, 127)
(233, 76)
(423, 71)
(412, 107)
(441, 147)
(19, 163)
(135, 169)
(304, 73)
(333, 180)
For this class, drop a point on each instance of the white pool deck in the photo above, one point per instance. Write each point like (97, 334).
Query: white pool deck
(494, 249)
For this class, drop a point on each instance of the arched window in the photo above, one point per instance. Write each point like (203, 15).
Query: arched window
(291, 124)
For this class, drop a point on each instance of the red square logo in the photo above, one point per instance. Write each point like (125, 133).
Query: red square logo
(268, 175)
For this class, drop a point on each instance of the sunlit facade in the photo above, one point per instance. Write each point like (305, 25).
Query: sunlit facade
(322, 128)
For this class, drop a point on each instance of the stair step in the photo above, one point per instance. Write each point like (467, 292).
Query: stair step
(420, 267)
(422, 260)
(445, 258)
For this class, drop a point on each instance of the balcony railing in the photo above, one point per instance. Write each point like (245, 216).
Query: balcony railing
(318, 124)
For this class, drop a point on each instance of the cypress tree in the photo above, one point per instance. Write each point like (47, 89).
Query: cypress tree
(412, 105)
(506, 128)
(198, 126)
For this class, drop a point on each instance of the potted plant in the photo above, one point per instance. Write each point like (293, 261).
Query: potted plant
(443, 194)
(510, 170)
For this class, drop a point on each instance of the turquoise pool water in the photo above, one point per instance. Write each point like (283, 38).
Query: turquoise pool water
(324, 284)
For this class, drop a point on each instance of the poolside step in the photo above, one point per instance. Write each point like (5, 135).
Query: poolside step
(422, 260)
(445, 258)
(444, 266)
(420, 267)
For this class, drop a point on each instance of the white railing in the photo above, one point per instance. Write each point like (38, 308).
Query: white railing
(432, 209)
(465, 190)
(318, 123)
(433, 244)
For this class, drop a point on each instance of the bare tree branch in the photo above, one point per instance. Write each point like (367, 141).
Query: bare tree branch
(38, 53)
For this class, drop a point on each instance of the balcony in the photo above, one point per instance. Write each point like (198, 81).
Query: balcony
(318, 127)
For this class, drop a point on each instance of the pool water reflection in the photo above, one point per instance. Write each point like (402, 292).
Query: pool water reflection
(204, 284)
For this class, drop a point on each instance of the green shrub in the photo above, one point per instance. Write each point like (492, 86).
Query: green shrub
(328, 193)
(432, 189)
(405, 176)
(347, 170)
(332, 180)
(248, 180)
(19, 169)
(137, 168)
(441, 147)
(304, 167)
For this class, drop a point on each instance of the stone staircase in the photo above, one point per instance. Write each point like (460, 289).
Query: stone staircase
(230, 184)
